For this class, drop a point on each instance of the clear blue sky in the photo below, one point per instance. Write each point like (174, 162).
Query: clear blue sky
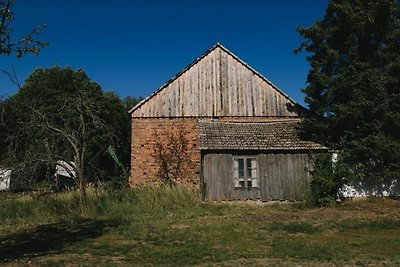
(133, 47)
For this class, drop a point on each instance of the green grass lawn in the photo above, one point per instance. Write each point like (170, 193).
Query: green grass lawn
(172, 227)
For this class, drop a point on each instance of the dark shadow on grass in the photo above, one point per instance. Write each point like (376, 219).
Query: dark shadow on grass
(50, 238)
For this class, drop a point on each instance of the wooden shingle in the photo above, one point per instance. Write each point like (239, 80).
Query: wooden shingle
(274, 135)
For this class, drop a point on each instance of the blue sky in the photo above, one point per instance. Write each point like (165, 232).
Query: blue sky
(133, 47)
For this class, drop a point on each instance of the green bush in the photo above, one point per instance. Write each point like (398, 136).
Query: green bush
(327, 179)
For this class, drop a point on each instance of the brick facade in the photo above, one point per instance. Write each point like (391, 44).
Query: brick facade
(145, 133)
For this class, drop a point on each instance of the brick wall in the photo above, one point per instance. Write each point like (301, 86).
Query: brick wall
(145, 132)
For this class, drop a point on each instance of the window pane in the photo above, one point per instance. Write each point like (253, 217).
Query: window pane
(239, 172)
(249, 183)
(241, 167)
(248, 161)
(251, 168)
(241, 163)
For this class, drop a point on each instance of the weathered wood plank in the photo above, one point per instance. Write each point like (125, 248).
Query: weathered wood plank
(214, 84)
(282, 176)
(217, 85)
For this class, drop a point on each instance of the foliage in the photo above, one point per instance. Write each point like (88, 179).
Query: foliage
(21, 46)
(3, 130)
(172, 158)
(115, 116)
(353, 85)
(61, 115)
(125, 128)
(129, 102)
(170, 226)
(327, 178)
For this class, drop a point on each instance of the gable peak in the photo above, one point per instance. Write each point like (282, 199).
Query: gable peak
(205, 54)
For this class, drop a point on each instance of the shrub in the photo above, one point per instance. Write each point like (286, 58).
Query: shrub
(328, 178)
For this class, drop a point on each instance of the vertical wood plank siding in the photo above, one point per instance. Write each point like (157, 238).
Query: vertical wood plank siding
(218, 181)
(218, 85)
(281, 177)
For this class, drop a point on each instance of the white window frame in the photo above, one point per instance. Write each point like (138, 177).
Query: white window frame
(237, 179)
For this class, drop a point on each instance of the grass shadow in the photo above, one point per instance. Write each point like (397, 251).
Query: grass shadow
(50, 238)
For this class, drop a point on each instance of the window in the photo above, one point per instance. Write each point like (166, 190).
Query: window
(245, 172)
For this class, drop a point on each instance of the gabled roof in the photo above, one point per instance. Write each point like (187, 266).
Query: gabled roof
(275, 135)
(217, 45)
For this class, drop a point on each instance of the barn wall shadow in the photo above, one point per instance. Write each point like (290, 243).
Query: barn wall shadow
(50, 238)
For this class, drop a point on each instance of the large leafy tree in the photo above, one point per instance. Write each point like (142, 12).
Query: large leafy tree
(60, 116)
(353, 90)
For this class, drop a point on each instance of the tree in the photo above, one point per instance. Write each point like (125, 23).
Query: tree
(60, 116)
(3, 129)
(353, 85)
(125, 151)
(118, 119)
(20, 46)
(129, 102)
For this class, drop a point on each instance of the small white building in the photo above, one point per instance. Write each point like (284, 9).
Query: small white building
(359, 188)
(364, 189)
(5, 177)
(64, 169)
(64, 174)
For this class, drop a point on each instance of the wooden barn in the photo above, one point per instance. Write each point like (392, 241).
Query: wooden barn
(241, 137)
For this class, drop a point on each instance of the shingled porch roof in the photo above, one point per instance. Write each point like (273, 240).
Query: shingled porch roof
(274, 135)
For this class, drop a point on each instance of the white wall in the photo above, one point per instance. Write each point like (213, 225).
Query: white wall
(389, 188)
(64, 168)
(5, 176)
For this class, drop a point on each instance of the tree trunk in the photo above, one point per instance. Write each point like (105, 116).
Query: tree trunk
(82, 184)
